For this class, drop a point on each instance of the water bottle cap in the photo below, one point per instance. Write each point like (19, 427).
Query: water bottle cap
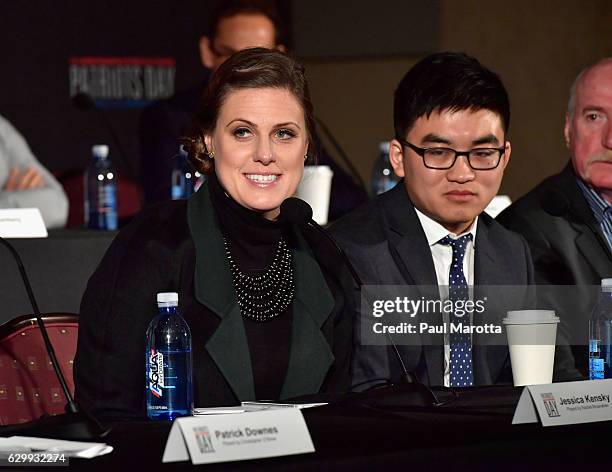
(167, 297)
(384, 147)
(100, 150)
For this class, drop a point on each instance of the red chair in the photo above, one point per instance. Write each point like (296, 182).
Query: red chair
(29, 388)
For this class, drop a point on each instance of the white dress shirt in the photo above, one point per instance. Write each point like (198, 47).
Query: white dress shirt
(442, 256)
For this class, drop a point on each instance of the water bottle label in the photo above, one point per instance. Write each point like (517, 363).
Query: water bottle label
(594, 345)
(111, 207)
(156, 373)
(596, 368)
(177, 192)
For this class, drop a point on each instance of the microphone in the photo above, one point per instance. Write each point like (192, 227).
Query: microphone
(72, 425)
(296, 211)
(85, 102)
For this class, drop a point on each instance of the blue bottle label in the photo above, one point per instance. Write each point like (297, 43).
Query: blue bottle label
(177, 192)
(593, 345)
(596, 368)
(156, 373)
(111, 207)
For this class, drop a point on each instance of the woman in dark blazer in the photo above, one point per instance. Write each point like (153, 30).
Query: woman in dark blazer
(288, 331)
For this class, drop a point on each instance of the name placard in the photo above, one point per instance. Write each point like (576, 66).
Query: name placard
(221, 438)
(22, 223)
(557, 404)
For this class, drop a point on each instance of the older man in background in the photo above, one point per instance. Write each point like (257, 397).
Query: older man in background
(567, 219)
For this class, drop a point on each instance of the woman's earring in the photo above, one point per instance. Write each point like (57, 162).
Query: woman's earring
(306, 156)
(211, 154)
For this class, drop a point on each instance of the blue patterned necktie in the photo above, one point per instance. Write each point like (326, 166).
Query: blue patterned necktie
(461, 369)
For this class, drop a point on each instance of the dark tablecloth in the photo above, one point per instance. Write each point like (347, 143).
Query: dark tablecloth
(473, 432)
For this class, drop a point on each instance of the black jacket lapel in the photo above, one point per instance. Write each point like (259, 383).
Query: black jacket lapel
(311, 355)
(410, 250)
(406, 237)
(214, 288)
(589, 238)
(486, 367)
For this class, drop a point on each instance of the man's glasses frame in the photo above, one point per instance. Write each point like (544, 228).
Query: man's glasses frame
(468, 154)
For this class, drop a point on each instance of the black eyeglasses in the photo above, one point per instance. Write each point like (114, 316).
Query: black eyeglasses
(442, 158)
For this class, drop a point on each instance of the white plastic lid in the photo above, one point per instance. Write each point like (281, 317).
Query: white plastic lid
(100, 150)
(530, 317)
(384, 147)
(167, 297)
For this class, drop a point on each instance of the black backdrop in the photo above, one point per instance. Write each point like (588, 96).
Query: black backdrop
(38, 38)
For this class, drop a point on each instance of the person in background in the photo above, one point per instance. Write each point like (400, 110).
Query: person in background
(567, 218)
(289, 337)
(234, 25)
(25, 183)
(451, 118)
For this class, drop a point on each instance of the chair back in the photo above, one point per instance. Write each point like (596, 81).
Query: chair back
(29, 387)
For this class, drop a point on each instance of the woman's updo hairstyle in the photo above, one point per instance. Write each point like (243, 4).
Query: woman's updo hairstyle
(248, 69)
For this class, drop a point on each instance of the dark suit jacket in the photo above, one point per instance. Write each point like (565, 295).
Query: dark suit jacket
(177, 246)
(386, 243)
(568, 248)
(162, 123)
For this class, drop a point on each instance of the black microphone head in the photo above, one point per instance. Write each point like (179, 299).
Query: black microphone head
(296, 211)
(554, 202)
(83, 101)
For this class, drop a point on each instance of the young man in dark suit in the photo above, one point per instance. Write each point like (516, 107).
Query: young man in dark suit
(567, 219)
(451, 118)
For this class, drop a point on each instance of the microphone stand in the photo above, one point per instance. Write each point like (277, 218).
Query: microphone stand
(74, 424)
(407, 377)
(296, 211)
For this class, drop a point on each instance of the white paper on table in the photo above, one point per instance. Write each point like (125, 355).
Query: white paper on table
(249, 407)
(83, 450)
(222, 410)
(258, 406)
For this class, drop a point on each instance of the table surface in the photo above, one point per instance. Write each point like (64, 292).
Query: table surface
(474, 432)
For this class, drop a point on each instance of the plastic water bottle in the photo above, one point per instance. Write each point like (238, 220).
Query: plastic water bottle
(185, 180)
(100, 191)
(383, 177)
(600, 335)
(169, 391)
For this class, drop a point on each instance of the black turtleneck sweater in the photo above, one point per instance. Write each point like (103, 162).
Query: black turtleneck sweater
(253, 242)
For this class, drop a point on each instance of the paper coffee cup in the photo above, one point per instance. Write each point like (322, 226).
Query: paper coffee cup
(531, 339)
(315, 189)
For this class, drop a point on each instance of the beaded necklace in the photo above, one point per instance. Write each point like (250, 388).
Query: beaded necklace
(266, 295)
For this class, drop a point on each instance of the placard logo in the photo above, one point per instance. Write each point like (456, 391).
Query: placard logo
(550, 404)
(203, 439)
